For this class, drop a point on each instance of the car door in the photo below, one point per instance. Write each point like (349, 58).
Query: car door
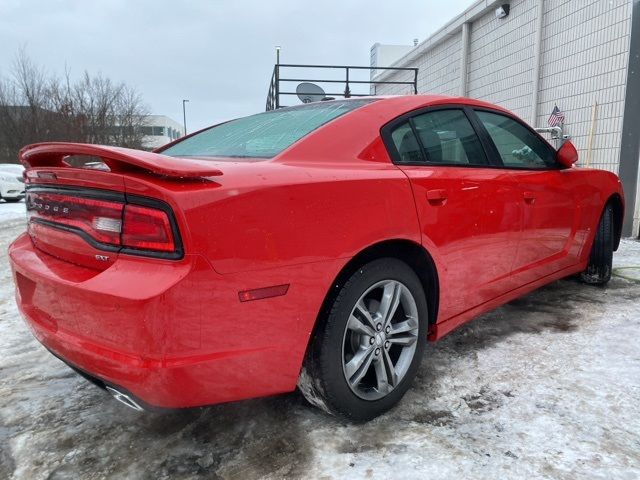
(469, 211)
(550, 212)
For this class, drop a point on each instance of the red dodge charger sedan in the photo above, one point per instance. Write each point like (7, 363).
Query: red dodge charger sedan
(317, 246)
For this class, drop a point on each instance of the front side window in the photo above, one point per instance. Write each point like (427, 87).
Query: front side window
(263, 135)
(444, 137)
(517, 145)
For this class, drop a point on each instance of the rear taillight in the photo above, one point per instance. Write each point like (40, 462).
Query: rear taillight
(111, 224)
(87, 216)
(147, 229)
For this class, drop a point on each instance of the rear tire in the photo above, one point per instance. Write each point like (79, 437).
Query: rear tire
(598, 270)
(367, 350)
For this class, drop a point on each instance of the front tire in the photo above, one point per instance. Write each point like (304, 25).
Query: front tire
(367, 350)
(598, 270)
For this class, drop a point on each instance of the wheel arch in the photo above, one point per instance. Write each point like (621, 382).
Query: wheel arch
(618, 216)
(412, 253)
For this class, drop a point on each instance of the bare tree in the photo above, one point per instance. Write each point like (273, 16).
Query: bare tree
(110, 114)
(38, 107)
(23, 105)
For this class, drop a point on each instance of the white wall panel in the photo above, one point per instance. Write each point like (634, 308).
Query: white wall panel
(584, 58)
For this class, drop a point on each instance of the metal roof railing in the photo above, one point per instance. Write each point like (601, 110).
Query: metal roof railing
(277, 81)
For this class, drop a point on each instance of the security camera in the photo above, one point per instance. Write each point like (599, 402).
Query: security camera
(503, 10)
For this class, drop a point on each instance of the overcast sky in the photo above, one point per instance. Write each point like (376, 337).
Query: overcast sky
(219, 54)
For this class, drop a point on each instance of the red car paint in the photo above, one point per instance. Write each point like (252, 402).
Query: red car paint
(264, 241)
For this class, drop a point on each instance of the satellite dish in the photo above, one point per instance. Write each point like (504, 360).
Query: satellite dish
(309, 92)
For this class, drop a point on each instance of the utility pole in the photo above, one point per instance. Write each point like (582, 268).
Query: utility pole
(184, 115)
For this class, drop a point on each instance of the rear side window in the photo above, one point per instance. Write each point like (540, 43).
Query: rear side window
(406, 144)
(448, 137)
(444, 137)
(263, 135)
(517, 145)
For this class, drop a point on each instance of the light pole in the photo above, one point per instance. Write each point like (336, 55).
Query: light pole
(184, 115)
(278, 54)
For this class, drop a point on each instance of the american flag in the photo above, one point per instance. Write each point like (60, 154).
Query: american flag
(557, 117)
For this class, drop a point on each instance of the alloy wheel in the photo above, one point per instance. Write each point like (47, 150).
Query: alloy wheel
(380, 339)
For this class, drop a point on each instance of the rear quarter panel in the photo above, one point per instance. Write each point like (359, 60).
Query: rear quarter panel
(271, 215)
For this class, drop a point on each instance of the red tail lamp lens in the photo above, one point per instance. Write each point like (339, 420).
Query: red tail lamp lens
(97, 218)
(105, 223)
(147, 229)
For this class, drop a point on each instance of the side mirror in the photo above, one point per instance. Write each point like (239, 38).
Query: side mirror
(567, 155)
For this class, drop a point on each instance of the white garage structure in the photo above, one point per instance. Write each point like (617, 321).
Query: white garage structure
(571, 53)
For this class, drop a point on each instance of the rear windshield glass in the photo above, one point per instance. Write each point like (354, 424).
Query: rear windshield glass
(263, 135)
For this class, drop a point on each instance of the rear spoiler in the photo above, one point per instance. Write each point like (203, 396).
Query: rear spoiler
(53, 154)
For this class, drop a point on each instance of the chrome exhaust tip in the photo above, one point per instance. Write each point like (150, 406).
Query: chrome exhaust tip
(124, 398)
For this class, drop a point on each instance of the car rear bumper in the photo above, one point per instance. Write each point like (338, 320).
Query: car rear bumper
(173, 334)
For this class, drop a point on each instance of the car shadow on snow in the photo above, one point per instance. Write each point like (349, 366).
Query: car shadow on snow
(248, 439)
(561, 308)
(556, 308)
(95, 437)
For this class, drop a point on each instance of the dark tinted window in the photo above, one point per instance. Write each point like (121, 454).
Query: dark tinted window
(517, 145)
(263, 135)
(446, 135)
(406, 144)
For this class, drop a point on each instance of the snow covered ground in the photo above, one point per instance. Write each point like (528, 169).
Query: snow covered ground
(11, 211)
(545, 387)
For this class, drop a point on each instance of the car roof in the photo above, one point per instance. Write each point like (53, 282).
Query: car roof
(412, 102)
(351, 135)
(398, 104)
